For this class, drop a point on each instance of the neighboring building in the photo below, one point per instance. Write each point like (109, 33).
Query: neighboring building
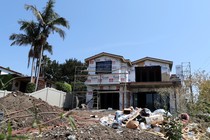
(6, 71)
(7, 76)
(115, 82)
(19, 81)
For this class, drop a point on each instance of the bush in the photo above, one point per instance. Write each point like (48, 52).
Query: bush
(30, 87)
(63, 86)
(173, 129)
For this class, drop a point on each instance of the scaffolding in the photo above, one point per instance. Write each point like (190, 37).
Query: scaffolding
(187, 78)
(81, 76)
(79, 88)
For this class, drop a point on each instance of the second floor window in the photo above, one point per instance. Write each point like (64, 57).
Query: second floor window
(104, 67)
(148, 74)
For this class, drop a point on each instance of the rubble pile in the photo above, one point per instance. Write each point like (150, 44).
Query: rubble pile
(38, 120)
(89, 127)
(159, 122)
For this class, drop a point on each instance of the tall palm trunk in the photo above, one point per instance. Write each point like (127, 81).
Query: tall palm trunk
(35, 73)
(32, 70)
(40, 60)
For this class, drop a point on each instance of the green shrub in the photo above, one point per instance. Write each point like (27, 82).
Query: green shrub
(30, 87)
(173, 129)
(63, 86)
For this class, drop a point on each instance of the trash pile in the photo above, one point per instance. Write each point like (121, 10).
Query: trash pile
(159, 122)
(135, 118)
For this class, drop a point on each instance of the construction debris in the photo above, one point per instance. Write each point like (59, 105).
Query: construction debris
(193, 131)
(38, 120)
(158, 121)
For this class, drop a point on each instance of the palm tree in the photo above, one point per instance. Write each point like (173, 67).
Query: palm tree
(29, 38)
(48, 21)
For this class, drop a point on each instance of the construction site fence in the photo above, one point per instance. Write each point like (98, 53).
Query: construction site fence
(4, 93)
(55, 97)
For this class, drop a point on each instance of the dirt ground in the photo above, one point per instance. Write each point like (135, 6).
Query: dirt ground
(37, 119)
(89, 128)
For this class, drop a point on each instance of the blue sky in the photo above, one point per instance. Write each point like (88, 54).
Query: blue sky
(176, 30)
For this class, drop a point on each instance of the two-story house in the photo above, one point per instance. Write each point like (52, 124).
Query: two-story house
(116, 82)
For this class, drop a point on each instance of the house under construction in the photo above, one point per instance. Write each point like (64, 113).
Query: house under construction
(115, 82)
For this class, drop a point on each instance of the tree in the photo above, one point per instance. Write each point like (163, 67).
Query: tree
(201, 92)
(29, 37)
(64, 72)
(48, 21)
(201, 82)
(52, 71)
(72, 68)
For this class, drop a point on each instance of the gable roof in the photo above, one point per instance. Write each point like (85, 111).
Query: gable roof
(153, 59)
(11, 71)
(110, 55)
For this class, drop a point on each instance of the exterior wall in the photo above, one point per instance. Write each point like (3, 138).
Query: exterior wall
(165, 70)
(118, 75)
(120, 72)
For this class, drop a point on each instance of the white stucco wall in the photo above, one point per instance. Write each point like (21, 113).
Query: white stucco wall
(119, 72)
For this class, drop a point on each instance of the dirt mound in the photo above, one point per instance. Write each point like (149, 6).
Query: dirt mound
(22, 110)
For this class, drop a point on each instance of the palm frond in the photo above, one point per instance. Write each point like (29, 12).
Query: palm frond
(59, 31)
(48, 47)
(60, 21)
(19, 39)
(48, 13)
(36, 13)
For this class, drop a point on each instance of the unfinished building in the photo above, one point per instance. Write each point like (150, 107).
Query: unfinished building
(115, 82)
